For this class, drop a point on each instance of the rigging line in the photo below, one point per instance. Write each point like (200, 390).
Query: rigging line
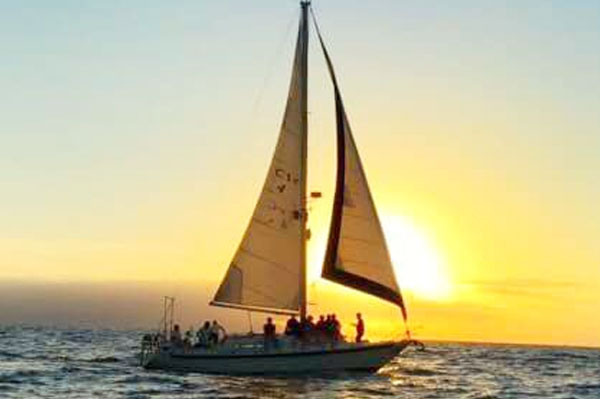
(325, 52)
(271, 64)
(328, 61)
(250, 322)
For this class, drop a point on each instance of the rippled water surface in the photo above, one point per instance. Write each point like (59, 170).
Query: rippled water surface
(54, 363)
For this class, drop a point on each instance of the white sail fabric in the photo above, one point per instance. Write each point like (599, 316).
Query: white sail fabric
(357, 254)
(265, 273)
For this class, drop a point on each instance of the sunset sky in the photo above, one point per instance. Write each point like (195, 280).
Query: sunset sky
(135, 138)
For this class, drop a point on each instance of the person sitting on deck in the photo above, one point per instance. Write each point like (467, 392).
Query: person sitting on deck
(292, 328)
(217, 333)
(360, 327)
(203, 336)
(176, 335)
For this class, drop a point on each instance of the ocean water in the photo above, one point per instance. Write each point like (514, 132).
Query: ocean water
(59, 363)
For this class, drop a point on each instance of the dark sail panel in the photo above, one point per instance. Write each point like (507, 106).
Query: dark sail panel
(357, 254)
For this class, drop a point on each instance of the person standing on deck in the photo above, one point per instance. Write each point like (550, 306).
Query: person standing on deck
(269, 331)
(292, 327)
(187, 341)
(321, 328)
(360, 327)
(337, 328)
(329, 328)
(203, 336)
(176, 336)
(217, 333)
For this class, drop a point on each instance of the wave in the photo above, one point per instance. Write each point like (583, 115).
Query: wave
(60, 358)
(10, 355)
(7, 388)
(419, 372)
(103, 359)
(137, 379)
(70, 369)
(22, 376)
(65, 358)
(580, 356)
(560, 356)
(583, 387)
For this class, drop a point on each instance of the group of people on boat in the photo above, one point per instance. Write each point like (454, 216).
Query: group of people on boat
(207, 336)
(326, 329)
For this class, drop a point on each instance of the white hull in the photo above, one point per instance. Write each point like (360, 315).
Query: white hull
(291, 360)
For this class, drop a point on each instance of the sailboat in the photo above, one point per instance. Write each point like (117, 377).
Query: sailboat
(268, 271)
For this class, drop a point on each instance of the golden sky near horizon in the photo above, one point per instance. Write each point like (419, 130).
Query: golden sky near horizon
(153, 129)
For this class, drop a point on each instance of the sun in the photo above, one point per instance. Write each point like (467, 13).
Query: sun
(418, 265)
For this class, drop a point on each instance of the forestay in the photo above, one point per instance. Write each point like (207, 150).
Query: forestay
(267, 270)
(357, 255)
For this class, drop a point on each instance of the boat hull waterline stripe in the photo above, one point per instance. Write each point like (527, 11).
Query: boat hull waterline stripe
(399, 345)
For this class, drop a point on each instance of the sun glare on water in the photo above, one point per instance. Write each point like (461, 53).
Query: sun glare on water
(418, 265)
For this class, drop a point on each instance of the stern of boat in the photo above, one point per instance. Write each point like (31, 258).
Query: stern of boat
(150, 349)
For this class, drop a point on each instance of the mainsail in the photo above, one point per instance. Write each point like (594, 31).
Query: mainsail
(357, 255)
(267, 272)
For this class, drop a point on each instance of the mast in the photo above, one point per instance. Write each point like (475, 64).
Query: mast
(305, 4)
